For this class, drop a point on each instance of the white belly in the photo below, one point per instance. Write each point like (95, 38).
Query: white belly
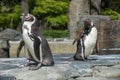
(29, 45)
(90, 42)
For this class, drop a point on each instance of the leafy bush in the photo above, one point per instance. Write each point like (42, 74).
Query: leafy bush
(10, 19)
(55, 33)
(53, 13)
(113, 14)
(58, 22)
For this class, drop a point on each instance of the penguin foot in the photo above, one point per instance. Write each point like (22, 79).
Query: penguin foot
(79, 58)
(34, 67)
(27, 64)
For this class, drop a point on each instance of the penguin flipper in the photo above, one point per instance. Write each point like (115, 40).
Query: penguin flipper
(36, 45)
(74, 41)
(22, 43)
(97, 47)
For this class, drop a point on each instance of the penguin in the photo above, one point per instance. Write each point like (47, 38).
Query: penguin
(36, 46)
(86, 41)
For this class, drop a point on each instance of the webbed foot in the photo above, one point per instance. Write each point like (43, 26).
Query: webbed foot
(35, 67)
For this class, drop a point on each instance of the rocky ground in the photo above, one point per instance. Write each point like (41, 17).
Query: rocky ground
(98, 67)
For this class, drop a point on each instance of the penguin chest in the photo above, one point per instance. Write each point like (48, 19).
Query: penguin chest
(90, 41)
(29, 43)
(91, 38)
(26, 28)
(36, 52)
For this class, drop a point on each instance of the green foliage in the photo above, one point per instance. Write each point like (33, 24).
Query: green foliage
(57, 22)
(118, 62)
(9, 13)
(114, 5)
(52, 12)
(113, 14)
(55, 33)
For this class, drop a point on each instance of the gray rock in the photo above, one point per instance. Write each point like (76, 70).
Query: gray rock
(96, 78)
(77, 9)
(72, 73)
(103, 67)
(4, 48)
(10, 34)
(3, 54)
(7, 77)
(108, 32)
(105, 71)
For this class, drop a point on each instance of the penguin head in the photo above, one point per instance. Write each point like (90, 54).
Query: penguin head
(87, 24)
(29, 18)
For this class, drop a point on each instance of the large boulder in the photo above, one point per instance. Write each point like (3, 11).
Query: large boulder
(104, 67)
(6, 36)
(10, 34)
(77, 8)
(108, 32)
(4, 48)
(101, 23)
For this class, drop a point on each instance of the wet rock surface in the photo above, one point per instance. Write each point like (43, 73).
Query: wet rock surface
(97, 67)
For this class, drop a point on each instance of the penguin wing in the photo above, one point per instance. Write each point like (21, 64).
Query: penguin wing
(36, 45)
(21, 44)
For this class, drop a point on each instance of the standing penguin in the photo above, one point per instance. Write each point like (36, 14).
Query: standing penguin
(86, 41)
(36, 46)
